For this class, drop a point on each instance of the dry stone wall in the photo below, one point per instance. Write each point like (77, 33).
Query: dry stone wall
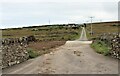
(14, 50)
(113, 41)
(115, 46)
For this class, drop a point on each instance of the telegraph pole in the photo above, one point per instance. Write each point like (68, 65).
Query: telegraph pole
(100, 20)
(91, 24)
(49, 21)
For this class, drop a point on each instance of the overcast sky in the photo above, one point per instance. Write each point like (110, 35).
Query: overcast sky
(18, 13)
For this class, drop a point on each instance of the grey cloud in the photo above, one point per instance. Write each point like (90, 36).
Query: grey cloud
(41, 12)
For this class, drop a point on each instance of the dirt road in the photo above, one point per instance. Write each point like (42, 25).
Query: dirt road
(72, 58)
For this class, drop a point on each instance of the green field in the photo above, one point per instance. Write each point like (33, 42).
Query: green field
(48, 37)
(49, 33)
(101, 28)
(60, 32)
(56, 35)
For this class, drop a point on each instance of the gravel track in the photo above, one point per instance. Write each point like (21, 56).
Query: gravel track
(72, 58)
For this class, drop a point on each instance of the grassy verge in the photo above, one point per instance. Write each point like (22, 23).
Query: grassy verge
(100, 47)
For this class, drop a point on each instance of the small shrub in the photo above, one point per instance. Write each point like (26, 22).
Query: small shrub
(32, 53)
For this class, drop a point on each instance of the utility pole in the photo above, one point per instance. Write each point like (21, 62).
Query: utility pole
(87, 21)
(91, 25)
(100, 20)
(49, 21)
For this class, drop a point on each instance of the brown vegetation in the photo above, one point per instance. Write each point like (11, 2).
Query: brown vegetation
(45, 46)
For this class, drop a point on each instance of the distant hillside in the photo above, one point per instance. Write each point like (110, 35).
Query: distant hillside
(107, 23)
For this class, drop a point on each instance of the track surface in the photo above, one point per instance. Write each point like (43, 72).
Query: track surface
(72, 58)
